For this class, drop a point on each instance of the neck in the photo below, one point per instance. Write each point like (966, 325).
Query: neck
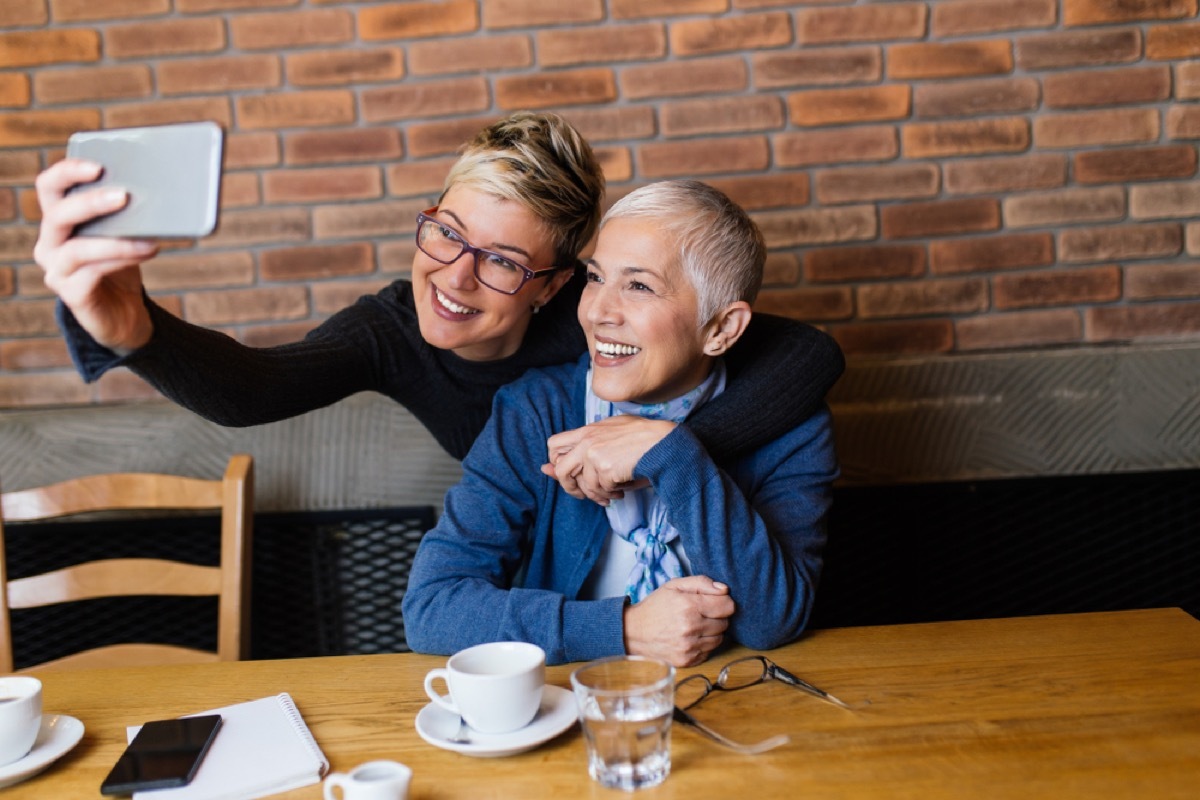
(675, 409)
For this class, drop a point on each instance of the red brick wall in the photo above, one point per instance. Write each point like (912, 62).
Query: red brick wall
(932, 177)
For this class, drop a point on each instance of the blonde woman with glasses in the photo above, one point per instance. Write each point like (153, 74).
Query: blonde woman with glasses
(491, 296)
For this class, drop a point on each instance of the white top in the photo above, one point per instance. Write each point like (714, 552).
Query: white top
(617, 559)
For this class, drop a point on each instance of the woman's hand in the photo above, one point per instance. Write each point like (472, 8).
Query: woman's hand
(682, 621)
(596, 461)
(97, 278)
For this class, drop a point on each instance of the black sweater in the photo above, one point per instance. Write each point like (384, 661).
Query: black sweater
(779, 372)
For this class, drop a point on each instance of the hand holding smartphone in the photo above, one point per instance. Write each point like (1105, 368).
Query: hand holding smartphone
(164, 753)
(172, 174)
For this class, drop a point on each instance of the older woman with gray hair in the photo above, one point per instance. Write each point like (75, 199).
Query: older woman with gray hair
(675, 552)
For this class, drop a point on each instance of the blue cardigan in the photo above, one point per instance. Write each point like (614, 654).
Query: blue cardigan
(512, 550)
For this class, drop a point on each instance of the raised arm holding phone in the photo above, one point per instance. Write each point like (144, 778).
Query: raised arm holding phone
(528, 189)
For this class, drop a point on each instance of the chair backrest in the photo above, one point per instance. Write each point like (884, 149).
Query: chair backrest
(232, 496)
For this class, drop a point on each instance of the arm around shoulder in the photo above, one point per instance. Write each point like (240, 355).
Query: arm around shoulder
(779, 371)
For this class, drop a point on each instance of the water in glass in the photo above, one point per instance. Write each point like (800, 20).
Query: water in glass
(625, 707)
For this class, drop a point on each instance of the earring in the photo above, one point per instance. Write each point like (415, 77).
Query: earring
(536, 307)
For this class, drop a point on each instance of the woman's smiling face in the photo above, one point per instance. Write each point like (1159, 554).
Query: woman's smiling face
(639, 313)
(458, 313)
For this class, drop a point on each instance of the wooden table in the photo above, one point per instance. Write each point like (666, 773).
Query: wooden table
(1077, 706)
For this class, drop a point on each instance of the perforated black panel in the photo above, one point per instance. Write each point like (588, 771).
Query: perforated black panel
(331, 582)
(1011, 548)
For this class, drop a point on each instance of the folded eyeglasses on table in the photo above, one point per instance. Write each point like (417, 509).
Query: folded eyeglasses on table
(740, 674)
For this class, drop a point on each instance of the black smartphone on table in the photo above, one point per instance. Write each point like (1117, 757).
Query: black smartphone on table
(163, 754)
(172, 174)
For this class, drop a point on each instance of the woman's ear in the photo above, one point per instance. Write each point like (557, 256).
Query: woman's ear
(550, 288)
(726, 328)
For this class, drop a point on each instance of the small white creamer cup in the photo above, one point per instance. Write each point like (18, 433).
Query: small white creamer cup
(374, 780)
(496, 687)
(20, 716)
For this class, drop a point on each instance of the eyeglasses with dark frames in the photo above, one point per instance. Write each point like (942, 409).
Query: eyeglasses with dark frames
(495, 271)
(742, 674)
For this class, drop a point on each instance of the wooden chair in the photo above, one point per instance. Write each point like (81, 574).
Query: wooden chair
(231, 495)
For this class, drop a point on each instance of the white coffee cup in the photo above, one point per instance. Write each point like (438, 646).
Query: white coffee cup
(20, 716)
(374, 780)
(495, 687)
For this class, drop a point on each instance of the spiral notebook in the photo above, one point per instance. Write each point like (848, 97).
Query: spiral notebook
(264, 747)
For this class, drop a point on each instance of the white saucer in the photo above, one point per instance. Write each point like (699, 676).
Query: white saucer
(557, 713)
(58, 735)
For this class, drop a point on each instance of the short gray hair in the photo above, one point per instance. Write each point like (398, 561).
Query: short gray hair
(539, 161)
(720, 248)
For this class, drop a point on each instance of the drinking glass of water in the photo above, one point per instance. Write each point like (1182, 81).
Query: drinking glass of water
(625, 705)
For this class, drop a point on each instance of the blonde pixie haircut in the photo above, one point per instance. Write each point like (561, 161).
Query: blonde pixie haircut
(720, 248)
(539, 161)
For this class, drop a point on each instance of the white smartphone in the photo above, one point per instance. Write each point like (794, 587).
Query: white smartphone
(171, 172)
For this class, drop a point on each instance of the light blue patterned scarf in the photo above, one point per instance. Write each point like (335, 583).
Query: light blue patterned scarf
(639, 517)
